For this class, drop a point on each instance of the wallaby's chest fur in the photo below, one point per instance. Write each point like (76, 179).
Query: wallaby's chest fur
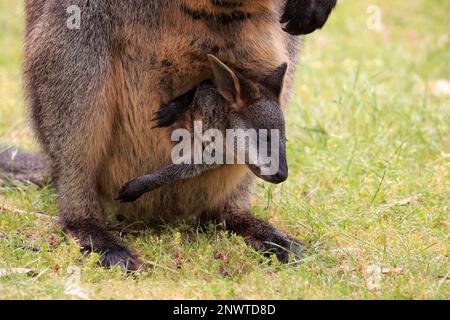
(154, 58)
(171, 51)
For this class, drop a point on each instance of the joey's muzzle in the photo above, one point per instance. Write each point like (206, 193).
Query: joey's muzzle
(275, 175)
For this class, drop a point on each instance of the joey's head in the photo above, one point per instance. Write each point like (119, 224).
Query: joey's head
(255, 115)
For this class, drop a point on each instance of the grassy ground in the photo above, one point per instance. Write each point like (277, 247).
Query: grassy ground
(369, 186)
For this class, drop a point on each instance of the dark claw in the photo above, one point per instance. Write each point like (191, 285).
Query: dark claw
(281, 245)
(284, 249)
(121, 257)
(305, 16)
(169, 113)
(128, 193)
(166, 116)
(95, 238)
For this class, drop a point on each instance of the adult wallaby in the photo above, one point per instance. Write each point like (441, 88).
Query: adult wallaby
(92, 89)
(233, 103)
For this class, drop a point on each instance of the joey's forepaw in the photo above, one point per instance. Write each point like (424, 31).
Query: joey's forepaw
(169, 113)
(129, 193)
(305, 16)
(166, 116)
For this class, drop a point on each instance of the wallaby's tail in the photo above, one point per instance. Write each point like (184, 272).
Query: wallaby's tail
(23, 166)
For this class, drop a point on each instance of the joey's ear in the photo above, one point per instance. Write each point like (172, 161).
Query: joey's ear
(274, 82)
(227, 82)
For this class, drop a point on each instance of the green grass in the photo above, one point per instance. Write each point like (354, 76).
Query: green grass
(369, 186)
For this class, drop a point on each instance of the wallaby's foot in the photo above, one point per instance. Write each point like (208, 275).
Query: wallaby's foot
(284, 247)
(259, 234)
(112, 251)
(119, 255)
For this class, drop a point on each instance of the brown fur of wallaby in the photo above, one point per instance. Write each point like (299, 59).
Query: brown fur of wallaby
(91, 92)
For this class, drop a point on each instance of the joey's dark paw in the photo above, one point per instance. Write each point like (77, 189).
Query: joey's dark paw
(305, 16)
(169, 113)
(166, 116)
(120, 256)
(129, 193)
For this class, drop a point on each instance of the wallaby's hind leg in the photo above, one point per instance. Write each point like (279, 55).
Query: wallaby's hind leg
(83, 217)
(259, 234)
(236, 217)
(77, 162)
(75, 170)
(94, 237)
(72, 98)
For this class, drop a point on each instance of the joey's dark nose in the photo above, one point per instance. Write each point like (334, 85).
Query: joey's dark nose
(280, 176)
(276, 178)
(283, 172)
